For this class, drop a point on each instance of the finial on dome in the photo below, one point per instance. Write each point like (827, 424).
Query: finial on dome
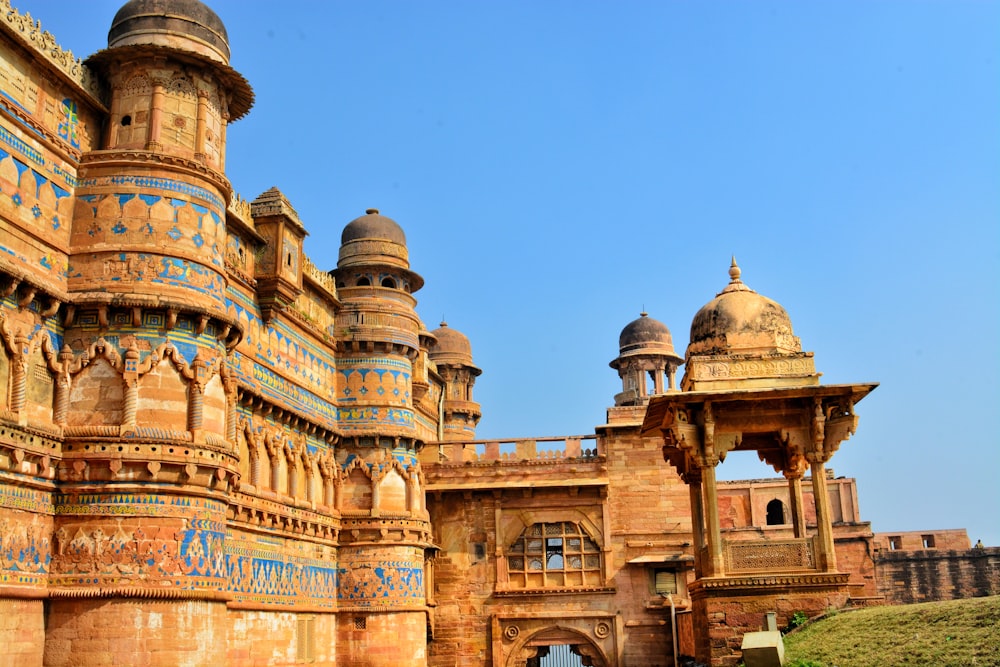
(443, 323)
(371, 211)
(735, 284)
(644, 313)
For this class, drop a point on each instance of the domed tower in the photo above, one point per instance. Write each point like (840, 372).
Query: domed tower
(741, 339)
(149, 224)
(453, 357)
(385, 523)
(148, 421)
(645, 346)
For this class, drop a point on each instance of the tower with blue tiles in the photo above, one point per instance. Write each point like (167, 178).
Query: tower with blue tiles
(385, 528)
(148, 453)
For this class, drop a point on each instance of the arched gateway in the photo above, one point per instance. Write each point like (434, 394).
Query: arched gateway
(532, 651)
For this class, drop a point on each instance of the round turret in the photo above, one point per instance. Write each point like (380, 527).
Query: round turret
(739, 320)
(452, 355)
(181, 24)
(645, 351)
(452, 347)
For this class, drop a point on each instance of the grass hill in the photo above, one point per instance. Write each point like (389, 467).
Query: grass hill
(957, 633)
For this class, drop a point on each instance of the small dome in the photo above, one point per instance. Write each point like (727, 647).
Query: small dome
(373, 225)
(740, 320)
(646, 334)
(452, 347)
(183, 24)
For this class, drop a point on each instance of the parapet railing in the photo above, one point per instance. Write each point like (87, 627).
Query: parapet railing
(554, 448)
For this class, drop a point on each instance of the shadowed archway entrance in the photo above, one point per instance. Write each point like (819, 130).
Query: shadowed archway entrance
(557, 647)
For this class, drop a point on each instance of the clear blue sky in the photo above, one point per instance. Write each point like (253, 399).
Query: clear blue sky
(560, 166)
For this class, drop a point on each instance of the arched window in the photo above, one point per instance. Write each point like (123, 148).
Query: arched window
(389, 282)
(364, 282)
(554, 555)
(776, 513)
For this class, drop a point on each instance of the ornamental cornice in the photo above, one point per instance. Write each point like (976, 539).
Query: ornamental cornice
(175, 163)
(29, 32)
(80, 591)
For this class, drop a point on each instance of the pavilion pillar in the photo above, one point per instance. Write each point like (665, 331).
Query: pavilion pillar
(715, 568)
(658, 379)
(795, 500)
(697, 520)
(826, 557)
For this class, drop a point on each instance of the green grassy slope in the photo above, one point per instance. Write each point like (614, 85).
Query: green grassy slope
(957, 633)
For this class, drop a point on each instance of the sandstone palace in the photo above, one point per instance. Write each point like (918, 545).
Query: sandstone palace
(215, 452)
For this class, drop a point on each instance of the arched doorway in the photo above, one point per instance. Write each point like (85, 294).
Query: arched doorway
(557, 647)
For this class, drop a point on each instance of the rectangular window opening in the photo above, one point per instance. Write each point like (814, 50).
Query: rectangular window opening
(665, 582)
(928, 541)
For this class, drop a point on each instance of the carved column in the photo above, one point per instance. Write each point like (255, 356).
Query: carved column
(253, 450)
(827, 557)
(273, 454)
(716, 566)
(308, 462)
(229, 386)
(338, 487)
(61, 400)
(155, 116)
(376, 484)
(794, 477)
(196, 402)
(658, 378)
(19, 373)
(199, 141)
(292, 469)
(693, 479)
(130, 376)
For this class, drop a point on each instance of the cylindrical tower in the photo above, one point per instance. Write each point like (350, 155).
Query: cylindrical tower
(452, 355)
(385, 527)
(146, 461)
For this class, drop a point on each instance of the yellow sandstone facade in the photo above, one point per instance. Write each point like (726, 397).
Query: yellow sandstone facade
(214, 452)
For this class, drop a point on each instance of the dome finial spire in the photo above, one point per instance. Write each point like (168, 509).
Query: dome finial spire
(734, 271)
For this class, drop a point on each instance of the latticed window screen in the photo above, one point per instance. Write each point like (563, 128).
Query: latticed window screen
(554, 554)
(305, 635)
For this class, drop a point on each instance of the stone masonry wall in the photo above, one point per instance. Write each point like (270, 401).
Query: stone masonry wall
(905, 577)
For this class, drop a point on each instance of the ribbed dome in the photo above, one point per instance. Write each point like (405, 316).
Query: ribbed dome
(646, 334)
(373, 225)
(183, 24)
(738, 320)
(452, 347)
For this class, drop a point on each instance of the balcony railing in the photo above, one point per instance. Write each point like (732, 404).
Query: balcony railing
(520, 450)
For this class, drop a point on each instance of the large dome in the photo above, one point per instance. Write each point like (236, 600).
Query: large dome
(452, 347)
(373, 225)
(645, 336)
(186, 24)
(739, 320)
